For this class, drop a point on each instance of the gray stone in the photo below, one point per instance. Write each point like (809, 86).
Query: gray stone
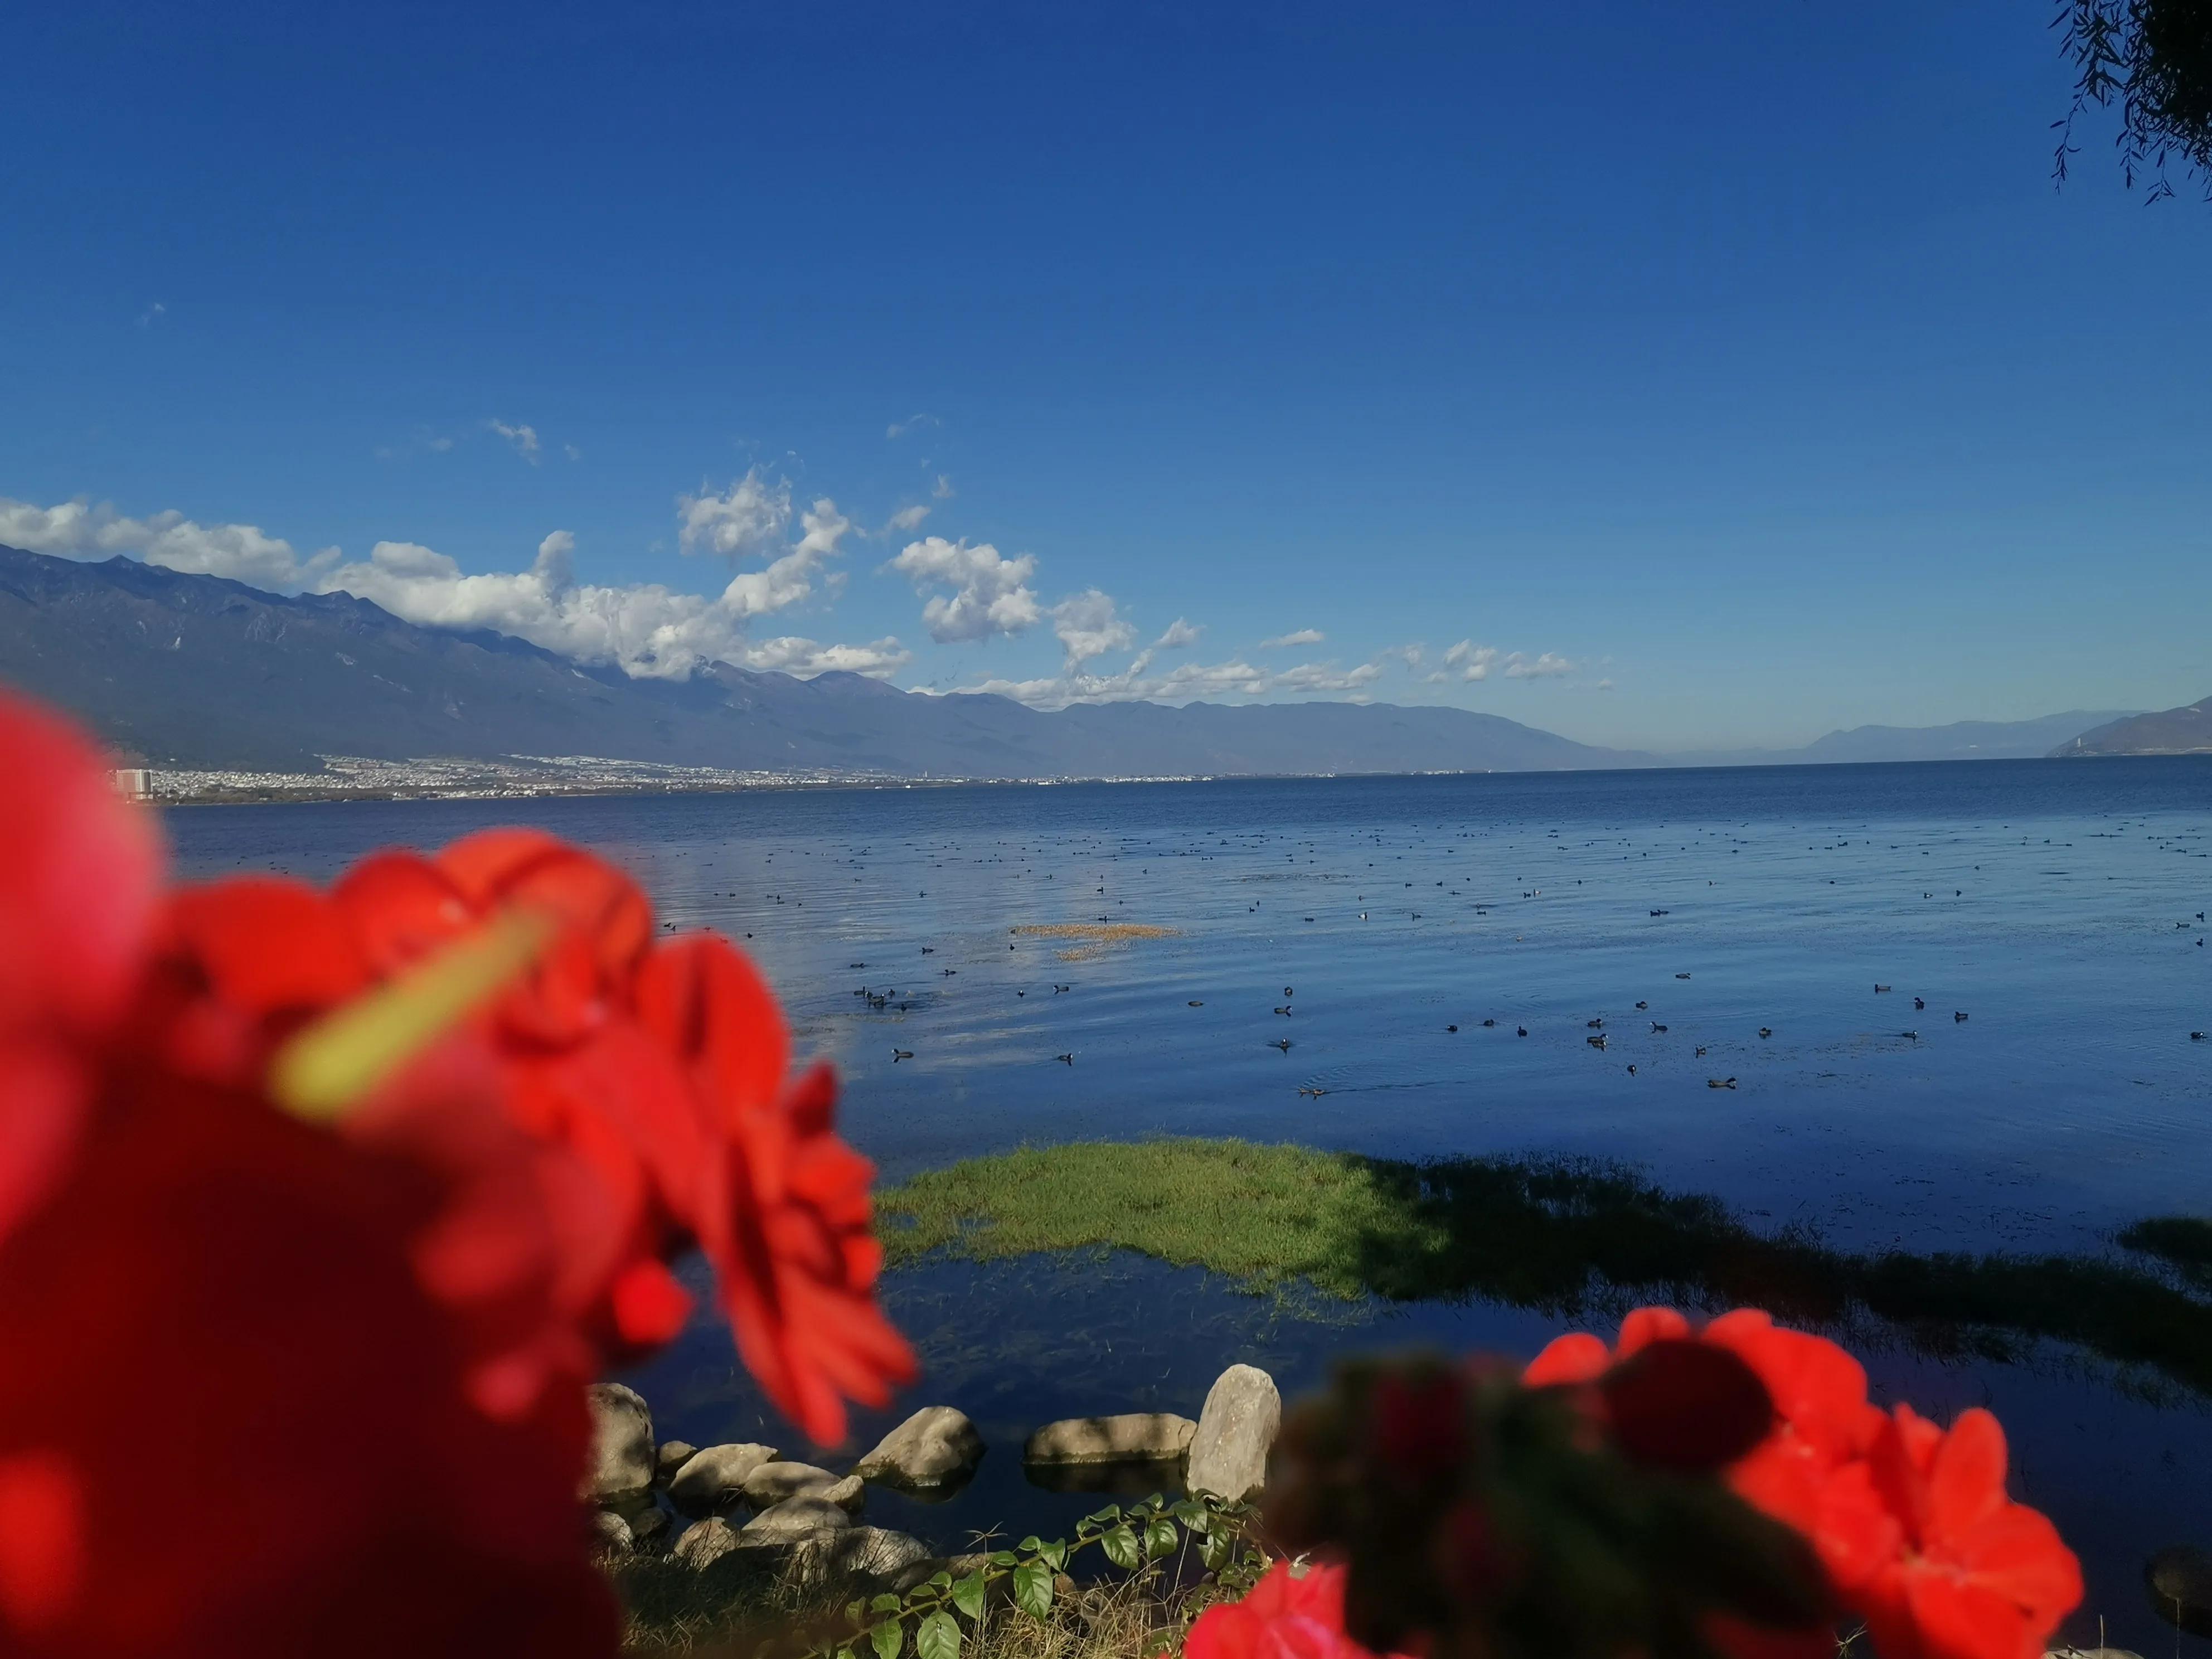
(794, 1517)
(716, 1478)
(1131, 1437)
(2180, 1580)
(771, 1483)
(672, 1455)
(646, 1524)
(610, 1531)
(622, 1444)
(705, 1542)
(1236, 1433)
(935, 1447)
(864, 1557)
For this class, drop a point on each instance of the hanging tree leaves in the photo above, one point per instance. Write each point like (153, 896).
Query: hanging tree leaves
(2152, 59)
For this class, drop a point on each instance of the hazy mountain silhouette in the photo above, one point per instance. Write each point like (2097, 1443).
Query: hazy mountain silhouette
(2184, 730)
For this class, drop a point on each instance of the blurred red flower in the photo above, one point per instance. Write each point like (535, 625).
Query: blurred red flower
(1911, 1523)
(1286, 1615)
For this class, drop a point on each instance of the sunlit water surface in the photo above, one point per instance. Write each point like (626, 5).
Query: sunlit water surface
(2056, 904)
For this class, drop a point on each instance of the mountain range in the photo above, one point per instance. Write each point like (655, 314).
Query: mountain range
(2184, 731)
(180, 670)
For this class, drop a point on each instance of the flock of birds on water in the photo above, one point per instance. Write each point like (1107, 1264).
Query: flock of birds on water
(1026, 861)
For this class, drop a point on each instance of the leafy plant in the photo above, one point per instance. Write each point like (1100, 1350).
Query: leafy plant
(1153, 1542)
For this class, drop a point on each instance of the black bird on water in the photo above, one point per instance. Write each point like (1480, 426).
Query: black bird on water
(1597, 1041)
(898, 1055)
(1064, 1059)
(1657, 1026)
(1594, 1025)
(929, 950)
(1490, 1021)
(1765, 1032)
(1920, 1002)
(1522, 1029)
(1915, 1035)
(1642, 1006)
(1701, 1051)
(1720, 1082)
(1283, 1043)
(1451, 1028)
(1879, 989)
(1632, 1071)
(1195, 1005)
(1681, 976)
(1285, 1011)
(1057, 989)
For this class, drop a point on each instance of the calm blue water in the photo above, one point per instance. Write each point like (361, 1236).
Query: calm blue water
(2039, 898)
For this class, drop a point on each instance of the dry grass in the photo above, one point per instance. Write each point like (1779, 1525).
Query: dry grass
(744, 1613)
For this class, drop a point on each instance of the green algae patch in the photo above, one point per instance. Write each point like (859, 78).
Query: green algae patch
(1570, 1238)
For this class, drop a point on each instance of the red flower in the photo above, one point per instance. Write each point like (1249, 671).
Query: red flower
(783, 1213)
(1911, 1524)
(1287, 1615)
(1941, 1563)
(79, 869)
(231, 1424)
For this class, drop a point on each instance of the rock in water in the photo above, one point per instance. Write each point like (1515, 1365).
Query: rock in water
(1236, 1431)
(672, 1455)
(716, 1478)
(611, 1531)
(2179, 1579)
(772, 1483)
(935, 1447)
(795, 1517)
(1129, 1437)
(705, 1542)
(622, 1444)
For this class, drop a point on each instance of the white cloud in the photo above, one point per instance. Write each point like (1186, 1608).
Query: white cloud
(1605, 685)
(1520, 667)
(79, 530)
(1089, 625)
(907, 517)
(1326, 676)
(991, 595)
(900, 429)
(747, 518)
(790, 578)
(1470, 660)
(152, 315)
(572, 451)
(524, 438)
(1181, 636)
(943, 490)
(1303, 636)
(441, 445)
(805, 658)
(649, 631)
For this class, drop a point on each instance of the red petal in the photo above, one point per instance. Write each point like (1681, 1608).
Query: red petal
(1646, 1325)
(1577, 1356)
(1966, 1484)
(1683, 1404)
(267, 945)
(44, 1552)
(1956, 1620)
(79, 867)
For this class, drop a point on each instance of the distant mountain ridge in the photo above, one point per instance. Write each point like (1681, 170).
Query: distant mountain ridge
(205, 673)
(1960, 740)
(2184, 730)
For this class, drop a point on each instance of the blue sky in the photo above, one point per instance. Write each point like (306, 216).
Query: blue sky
(1739, 362)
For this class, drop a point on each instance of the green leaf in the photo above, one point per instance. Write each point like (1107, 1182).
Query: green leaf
(1107, 1516)
(941, 1579)
(938, 1637)
(843, 1653)
(1160, 1538)
(887, 1639)
(1031, 1545)
(1214, 1550)
(1121, 1547)
(1033, 1589)
(1193, 1514)
(967, 1595)
(884, 1603)
(1003, 1558)
(1054, 1553)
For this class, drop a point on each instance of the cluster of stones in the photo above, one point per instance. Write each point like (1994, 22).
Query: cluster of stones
(803, 1519)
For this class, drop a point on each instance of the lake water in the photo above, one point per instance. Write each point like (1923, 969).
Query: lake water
(2056, 904)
